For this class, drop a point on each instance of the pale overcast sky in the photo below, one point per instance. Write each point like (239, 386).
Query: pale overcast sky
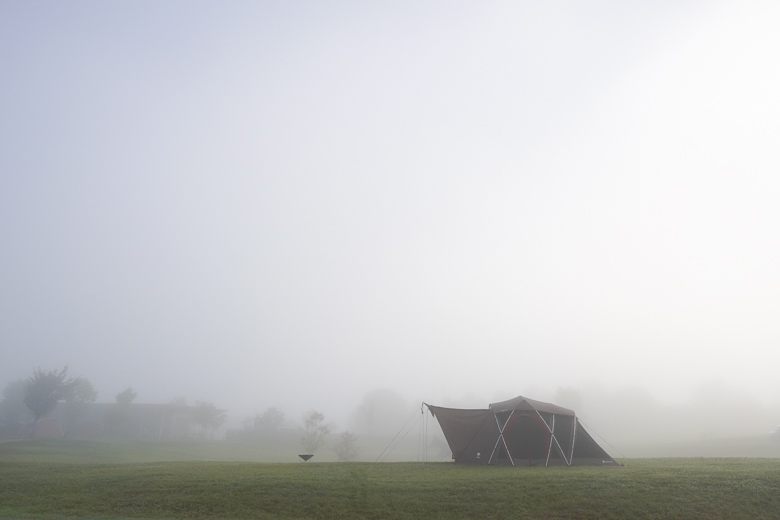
(292, 203)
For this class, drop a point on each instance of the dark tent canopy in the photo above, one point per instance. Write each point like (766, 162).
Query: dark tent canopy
(519, 431)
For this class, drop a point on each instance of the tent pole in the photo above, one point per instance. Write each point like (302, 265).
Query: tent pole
(490, 460)
(501, 438)
(422, 436)
(573, 437)
(554, 438)
(549, 446)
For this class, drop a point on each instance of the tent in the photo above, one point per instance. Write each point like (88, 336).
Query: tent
(519, 432)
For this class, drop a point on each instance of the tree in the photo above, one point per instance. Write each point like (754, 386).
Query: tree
(570, 398)
(346, 449)
(81, 393)
(13, 412)
(271, 419)
(217, 420)
(381, 411)
(315, 430)
(126, 396)
(208, 415)
(44, 390)
(118, 420)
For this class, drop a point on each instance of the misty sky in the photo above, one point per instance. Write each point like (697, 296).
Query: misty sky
(292, 203)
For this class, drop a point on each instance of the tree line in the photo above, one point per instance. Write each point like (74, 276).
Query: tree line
(27, 401)
(39, 395)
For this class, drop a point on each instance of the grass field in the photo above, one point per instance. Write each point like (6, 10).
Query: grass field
(94, 479)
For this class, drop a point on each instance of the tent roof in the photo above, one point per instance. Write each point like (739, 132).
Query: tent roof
(523, 403)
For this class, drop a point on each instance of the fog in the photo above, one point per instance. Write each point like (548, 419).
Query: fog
(295, 204)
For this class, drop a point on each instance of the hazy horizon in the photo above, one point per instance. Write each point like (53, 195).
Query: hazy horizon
(291, 204)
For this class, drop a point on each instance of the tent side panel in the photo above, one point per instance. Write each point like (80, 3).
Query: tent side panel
(587, 451)
(528, 438)
(470, 434)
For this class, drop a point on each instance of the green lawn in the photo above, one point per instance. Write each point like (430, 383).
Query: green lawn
(51, 479)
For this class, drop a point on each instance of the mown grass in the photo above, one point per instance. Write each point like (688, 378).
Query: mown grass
(80, 451)
(31, 487)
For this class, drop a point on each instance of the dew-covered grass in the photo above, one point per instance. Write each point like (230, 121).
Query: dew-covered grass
(31, 486)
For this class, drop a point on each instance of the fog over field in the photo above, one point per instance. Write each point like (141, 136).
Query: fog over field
(292, 204)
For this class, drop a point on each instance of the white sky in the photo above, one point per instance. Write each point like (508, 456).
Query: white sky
(291, 203)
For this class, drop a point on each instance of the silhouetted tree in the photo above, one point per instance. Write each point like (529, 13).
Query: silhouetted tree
(209, 416)
(271, 419)
(126, 396)
(257, 426)
(217, 421)
(118, 420)
(570, 398)
(346, 449)
(381, 410)
(81, 393)
(44, 389)
(314, 431)
(13, 412)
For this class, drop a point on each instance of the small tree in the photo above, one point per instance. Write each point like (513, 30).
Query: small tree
(208, 416)
(381, 411)
(13, 412)
(81, 393)
(44, 390)
(126, 396)
(315, 430)
(271, 419)
(119, 417)
(217, 420)
(346, 449)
